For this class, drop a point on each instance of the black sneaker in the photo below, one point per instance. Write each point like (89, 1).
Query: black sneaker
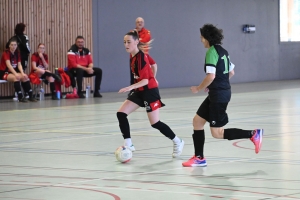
(23, 100)
(81, 95)
(97, 94)
(32, 99)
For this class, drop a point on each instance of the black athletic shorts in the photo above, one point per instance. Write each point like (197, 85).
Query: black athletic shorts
(4, 74)
(214, 113)
(150, 99)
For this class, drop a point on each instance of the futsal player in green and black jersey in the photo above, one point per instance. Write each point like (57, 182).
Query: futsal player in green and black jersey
(219, 70)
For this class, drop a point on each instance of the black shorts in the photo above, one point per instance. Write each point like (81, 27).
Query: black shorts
(3, 75)
(150, 99)
(214, 113)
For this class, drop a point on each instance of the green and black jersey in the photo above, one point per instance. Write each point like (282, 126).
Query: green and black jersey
(217, 62)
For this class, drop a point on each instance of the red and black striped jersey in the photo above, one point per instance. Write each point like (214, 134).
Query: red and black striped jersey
(39, 63)
(13, 58)
(141, 69)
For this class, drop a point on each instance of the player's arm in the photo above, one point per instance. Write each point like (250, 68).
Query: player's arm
(45, 63)
(205, 83)
(141, 83)
(231, 70)
(211, 60)
(10, 67)
(154, 69)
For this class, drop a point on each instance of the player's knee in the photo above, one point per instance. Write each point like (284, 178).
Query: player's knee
(198, 123)
(50, 79)
(158, 125)
(216, 133)
(97, 70)
(121, 116)
(79, 71)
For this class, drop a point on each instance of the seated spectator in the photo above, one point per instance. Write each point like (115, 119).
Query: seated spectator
(11, 70)
(40, 66)
(80, 64)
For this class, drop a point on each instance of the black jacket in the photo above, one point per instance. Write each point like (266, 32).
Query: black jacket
(23, 44)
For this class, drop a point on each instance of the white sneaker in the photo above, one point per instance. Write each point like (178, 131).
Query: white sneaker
(177, 149)
(131, 148)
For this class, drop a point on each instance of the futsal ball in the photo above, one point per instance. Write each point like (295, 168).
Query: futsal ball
(123, 154)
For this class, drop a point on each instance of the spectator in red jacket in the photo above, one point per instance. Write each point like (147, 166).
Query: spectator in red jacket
(145, 37)
(80, 64)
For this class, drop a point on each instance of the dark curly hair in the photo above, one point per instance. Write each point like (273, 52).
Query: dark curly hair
(212, 34)
(20, 28)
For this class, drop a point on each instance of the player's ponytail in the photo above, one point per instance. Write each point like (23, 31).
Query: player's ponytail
(143, 46)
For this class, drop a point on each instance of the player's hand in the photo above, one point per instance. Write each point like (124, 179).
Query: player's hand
(41, 55)
(206, 90)
(126, 89)
(18, 77)
(194, 89)
(90, 70)
(25, 76)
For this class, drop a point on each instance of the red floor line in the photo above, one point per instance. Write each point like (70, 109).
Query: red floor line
(197, 194)
(155, 190)
(71, 187)
(89, 185)
(198, 186)
(20, 181)
(134, 188)
(236, 145)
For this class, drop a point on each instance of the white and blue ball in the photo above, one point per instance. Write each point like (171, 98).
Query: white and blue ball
(123, 154)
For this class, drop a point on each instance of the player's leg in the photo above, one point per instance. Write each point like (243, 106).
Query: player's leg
(152, 101)
(130, 105)
(199, 120)
(178, 143)
(219, 118)
(17, 85)
(27, 87)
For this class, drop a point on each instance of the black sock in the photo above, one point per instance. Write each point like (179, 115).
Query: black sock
(199, 139)
(27, 88)
(18, 90)
(52, 88)
(235, 133)
(124, 124)
(164, 129)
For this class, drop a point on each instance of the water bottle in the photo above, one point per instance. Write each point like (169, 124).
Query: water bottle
(42, 94)
(58, 94)
(56, 71)
(87, 91)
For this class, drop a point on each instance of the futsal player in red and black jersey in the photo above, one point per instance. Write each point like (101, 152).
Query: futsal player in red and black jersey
(40, 65)
(144, 37)
(146, 94)
(219, 70)
(11, 70)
